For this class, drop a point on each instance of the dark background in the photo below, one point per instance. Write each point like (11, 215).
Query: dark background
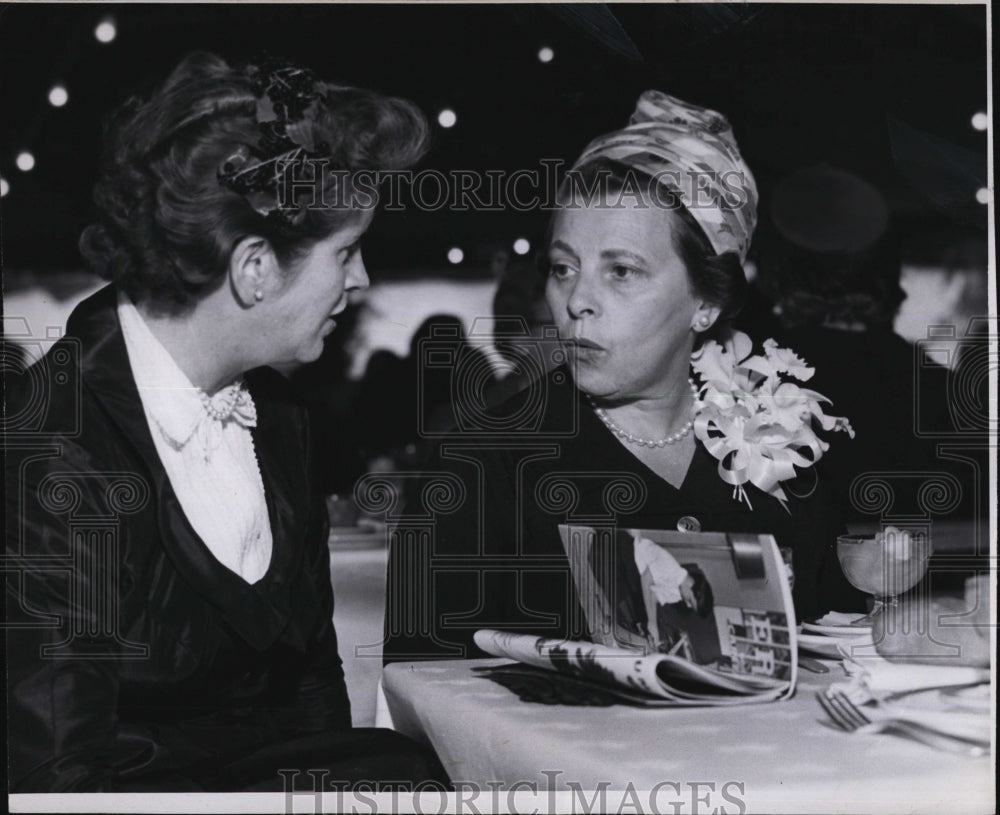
(885, 91)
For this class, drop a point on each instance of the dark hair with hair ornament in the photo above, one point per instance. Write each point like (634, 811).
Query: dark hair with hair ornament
(168, 221)
(717, 278)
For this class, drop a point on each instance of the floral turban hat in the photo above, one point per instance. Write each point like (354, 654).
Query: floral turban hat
(693, 152)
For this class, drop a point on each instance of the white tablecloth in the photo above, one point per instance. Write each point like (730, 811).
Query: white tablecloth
(784, 754)
(357, 571)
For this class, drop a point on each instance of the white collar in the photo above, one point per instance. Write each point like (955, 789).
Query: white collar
(169, 398)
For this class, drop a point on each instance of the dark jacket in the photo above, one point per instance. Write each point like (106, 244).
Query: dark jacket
(478, 546)
(900, 404)
(135, 659)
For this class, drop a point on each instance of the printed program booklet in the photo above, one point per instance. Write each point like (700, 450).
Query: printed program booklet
(675, 618)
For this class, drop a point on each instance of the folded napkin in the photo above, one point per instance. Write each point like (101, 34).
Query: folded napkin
(879, 677)
(948, 698)
(961, 712)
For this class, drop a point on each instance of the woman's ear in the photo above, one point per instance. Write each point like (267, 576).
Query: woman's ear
(705, 316)
(252, 270)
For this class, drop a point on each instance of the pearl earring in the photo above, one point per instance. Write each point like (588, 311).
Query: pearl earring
(258, 295)
(704, 321)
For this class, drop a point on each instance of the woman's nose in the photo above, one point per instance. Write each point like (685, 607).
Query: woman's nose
(583, 300)
(357, 275)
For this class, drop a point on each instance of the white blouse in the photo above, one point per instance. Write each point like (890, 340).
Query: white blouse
(209, 460)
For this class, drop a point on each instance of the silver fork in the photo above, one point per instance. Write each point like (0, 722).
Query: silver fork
(849, 717)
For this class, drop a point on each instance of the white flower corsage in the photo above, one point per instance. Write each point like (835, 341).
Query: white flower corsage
(756, 421)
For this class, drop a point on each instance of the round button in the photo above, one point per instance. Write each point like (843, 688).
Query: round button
(689, 523)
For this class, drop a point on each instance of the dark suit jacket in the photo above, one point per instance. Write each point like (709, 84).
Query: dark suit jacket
(135, 659)
(900, 406)
(482, 549)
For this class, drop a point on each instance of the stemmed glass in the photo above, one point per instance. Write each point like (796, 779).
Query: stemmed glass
(884, 565)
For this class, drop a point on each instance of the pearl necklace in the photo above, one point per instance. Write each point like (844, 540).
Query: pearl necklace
(632, 439)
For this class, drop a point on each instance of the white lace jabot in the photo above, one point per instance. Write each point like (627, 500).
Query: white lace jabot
(210, 461)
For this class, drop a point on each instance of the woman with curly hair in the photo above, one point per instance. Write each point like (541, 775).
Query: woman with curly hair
(169, 593)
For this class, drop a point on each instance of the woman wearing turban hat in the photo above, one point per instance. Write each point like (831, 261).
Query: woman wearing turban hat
(640, 427)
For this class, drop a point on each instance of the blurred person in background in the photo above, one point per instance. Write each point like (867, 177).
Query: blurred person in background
(192, 649)
(520, 316)
(330, 394)
(945, 277)
(440, 389)
(403, 399)
(832, 267)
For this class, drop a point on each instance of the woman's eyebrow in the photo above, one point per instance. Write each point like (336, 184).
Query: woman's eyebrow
(618, 254)
(562, 246)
